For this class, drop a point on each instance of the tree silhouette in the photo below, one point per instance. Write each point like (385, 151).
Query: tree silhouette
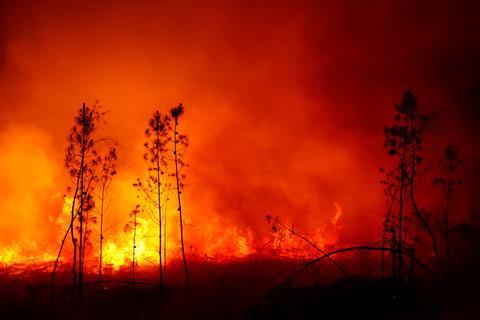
(450, 163)
(155, 187)
(81, 160)
(420, 125)
(397, 142)
(108, 171)
(404, 140)
(180, 143)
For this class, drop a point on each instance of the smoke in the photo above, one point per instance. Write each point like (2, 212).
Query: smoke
(285, 101)
(29, 176)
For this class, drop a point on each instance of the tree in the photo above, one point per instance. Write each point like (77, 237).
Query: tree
(81, 160)
(397, 141)
(420, 125)
(155, 187)
(108, 171)
(450, 163)
(180, 143)
(404, 140)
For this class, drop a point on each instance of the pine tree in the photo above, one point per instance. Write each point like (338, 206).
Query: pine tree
(81, 160)
(450, 163)
(107, 173)
(404, 140)
(155, 187)
(180, 143)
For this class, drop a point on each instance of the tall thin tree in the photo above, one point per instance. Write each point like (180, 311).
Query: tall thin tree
(404, 139)
(108, 171)
(419, 126)
(81, 160)
(446, 183)
(180, 143)
(155, 156)
(396, 142)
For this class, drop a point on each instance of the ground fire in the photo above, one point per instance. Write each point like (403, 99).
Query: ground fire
(228, 159)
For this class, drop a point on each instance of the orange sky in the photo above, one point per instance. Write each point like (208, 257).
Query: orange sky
(286, 101)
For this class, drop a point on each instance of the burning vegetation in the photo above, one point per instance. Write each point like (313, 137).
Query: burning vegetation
(414, 243)
(284, 186)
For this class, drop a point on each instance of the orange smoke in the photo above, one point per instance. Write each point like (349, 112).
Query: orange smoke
(285, 105)
(29, 195)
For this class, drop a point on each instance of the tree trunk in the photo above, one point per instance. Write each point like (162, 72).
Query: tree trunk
(73, 216)
(82, 202)
(165, 240)
(134, 247)
(185, 266)
(419, 215)
(447, 215)
(400, 210)
(388, 217)
(100, 255)
(159, 205)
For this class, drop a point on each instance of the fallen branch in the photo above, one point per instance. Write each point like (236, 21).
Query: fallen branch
(355, 248)
(314, 245)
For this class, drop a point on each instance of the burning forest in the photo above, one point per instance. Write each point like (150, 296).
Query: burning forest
(229, 160)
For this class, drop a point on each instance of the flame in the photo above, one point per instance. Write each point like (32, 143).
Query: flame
(231, 243)
(222, 243)
(207, 237)
(269, 119)
(338, 214)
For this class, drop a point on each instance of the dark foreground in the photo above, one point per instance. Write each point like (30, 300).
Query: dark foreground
(242, 290)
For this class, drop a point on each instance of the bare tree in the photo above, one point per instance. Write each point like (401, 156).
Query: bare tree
(180, 143)
(450, 163)
(107, 173)
(153, 190)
